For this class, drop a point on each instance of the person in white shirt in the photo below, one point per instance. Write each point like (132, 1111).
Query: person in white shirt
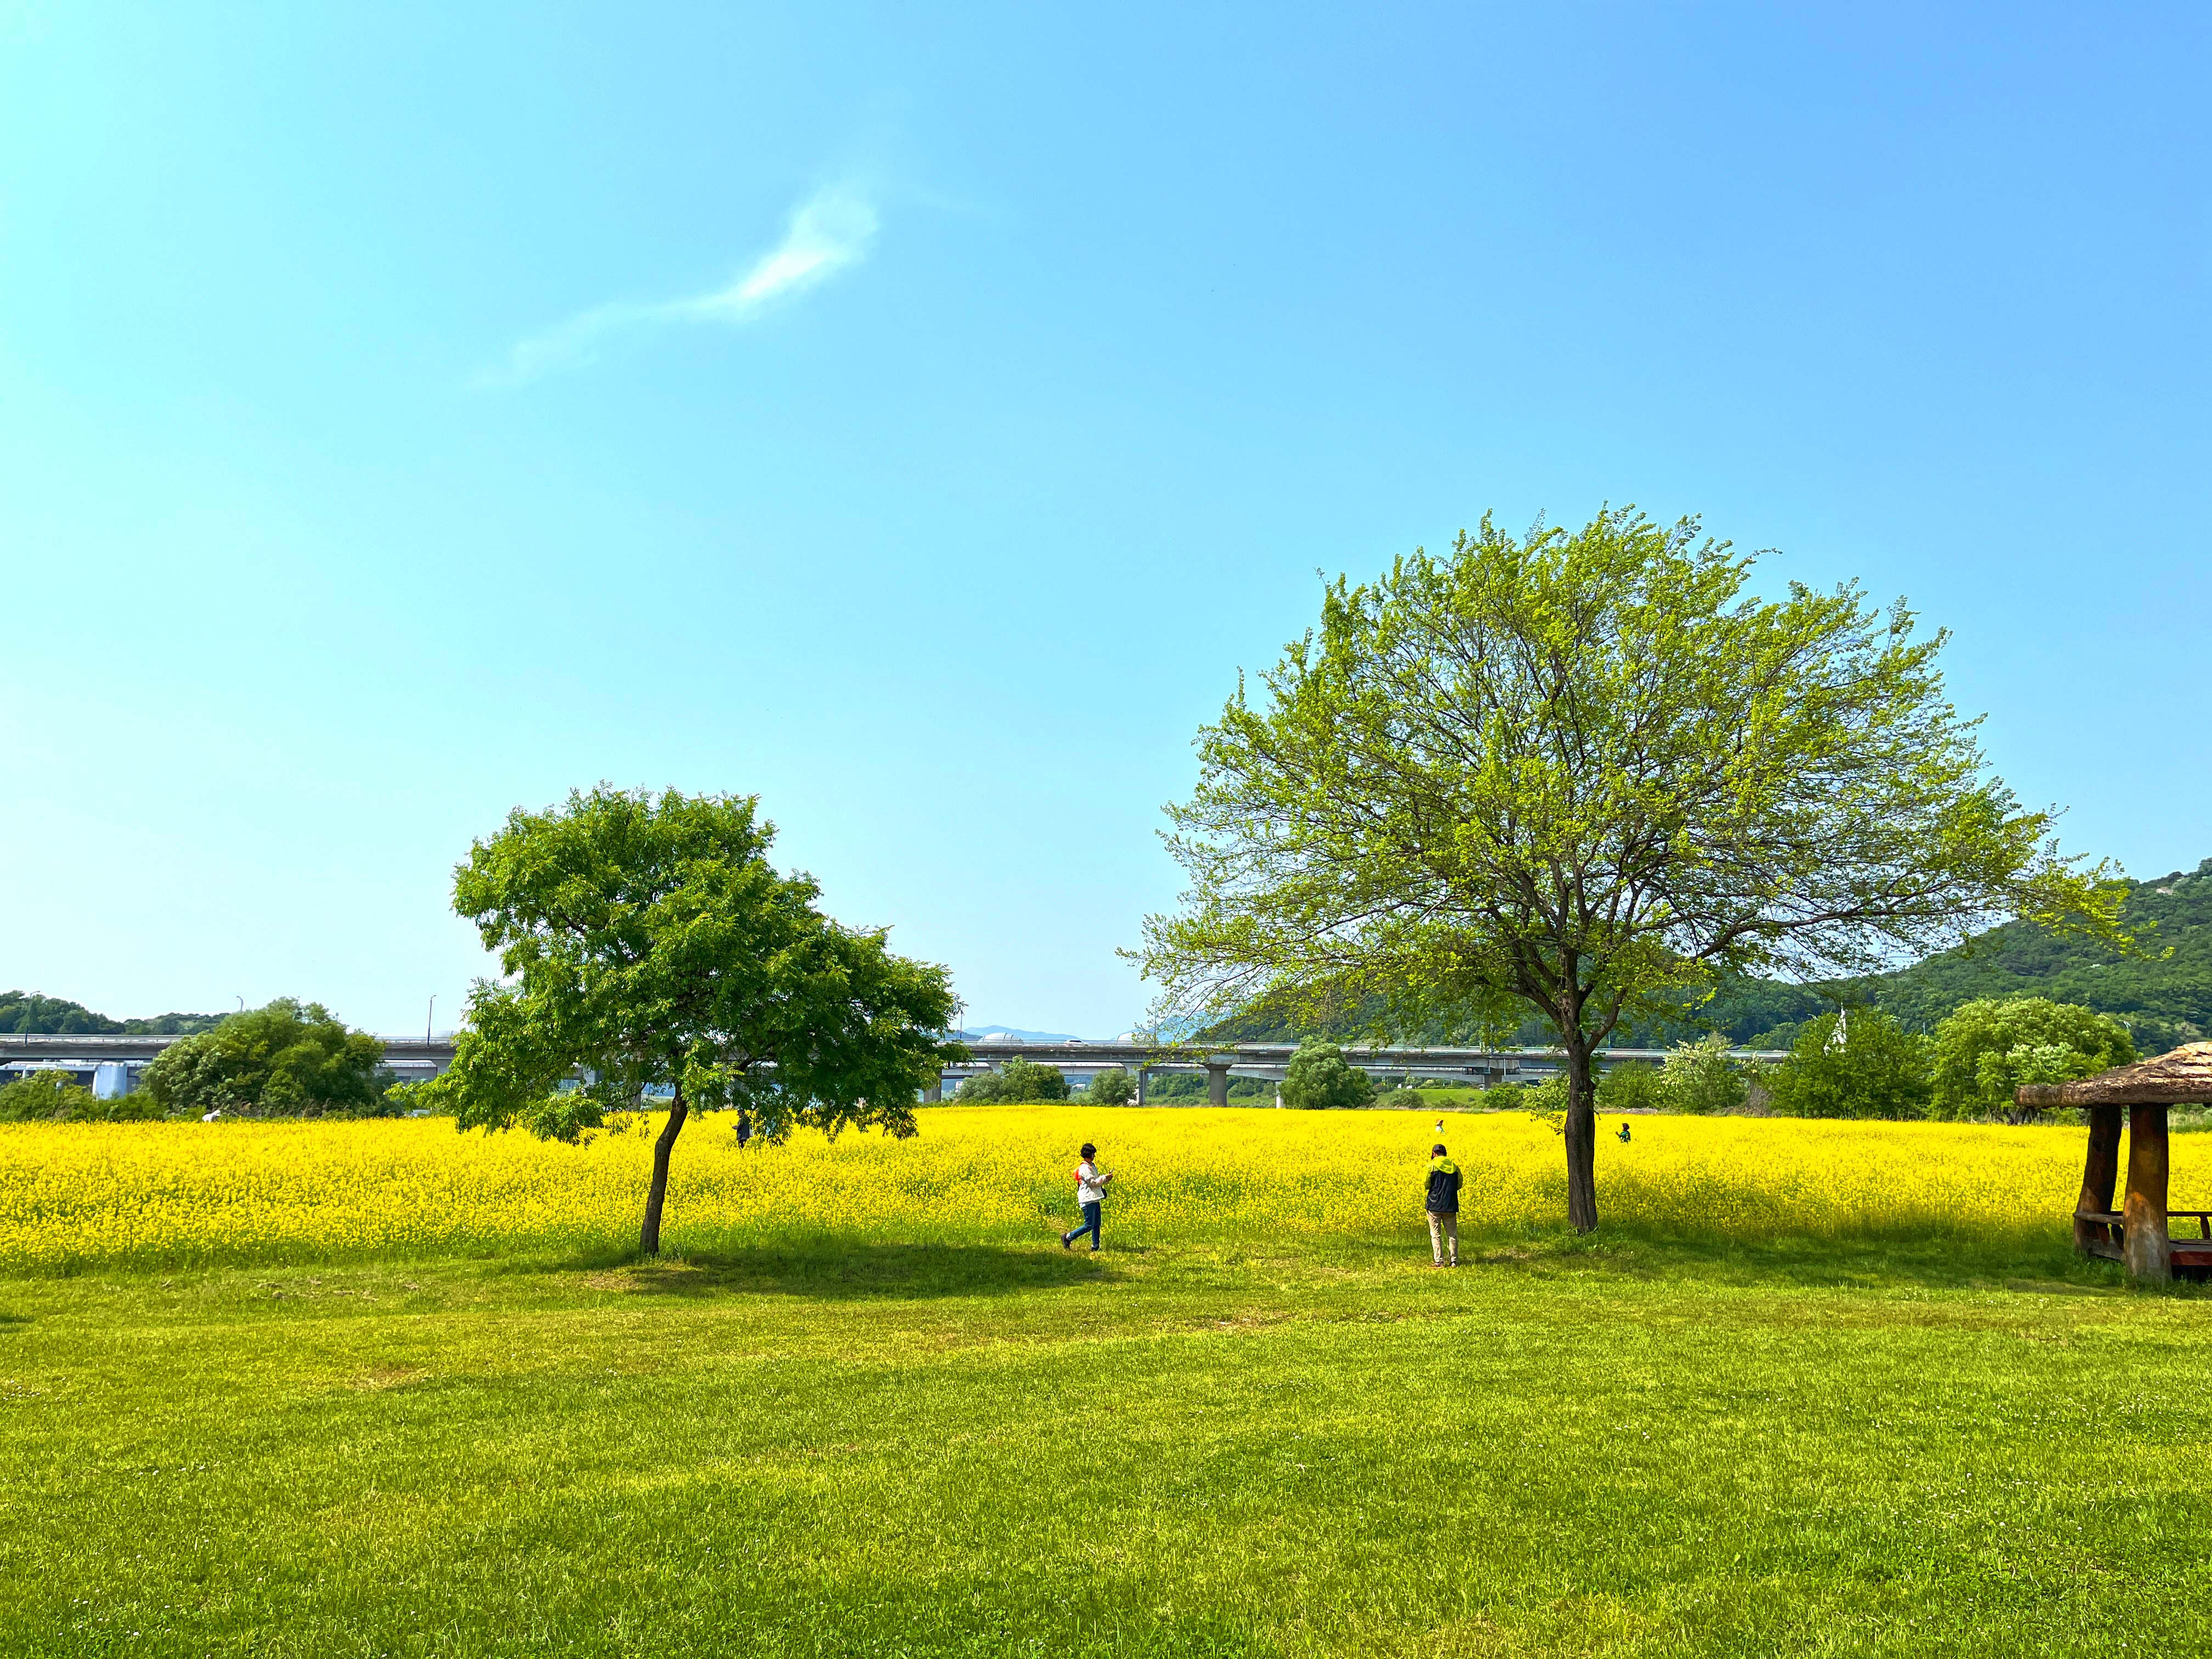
(1091, 1196)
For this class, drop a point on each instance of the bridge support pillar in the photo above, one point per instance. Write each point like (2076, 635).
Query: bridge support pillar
(1217, 1083)
(935, 1093)
(1142, 1073)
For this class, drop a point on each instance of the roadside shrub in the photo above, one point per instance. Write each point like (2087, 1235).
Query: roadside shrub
(1320, 1079)
(1699, 1078)
(55, 1097)
(288, 1060)
(1989, 1047)
(1402, 1100)
(1859, 1063)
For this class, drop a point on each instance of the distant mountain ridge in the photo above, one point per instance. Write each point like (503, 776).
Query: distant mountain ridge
(2165, 1000)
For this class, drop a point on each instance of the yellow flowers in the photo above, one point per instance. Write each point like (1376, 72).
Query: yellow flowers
(184, 1193)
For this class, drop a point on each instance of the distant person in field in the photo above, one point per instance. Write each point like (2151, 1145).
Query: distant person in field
(1090, 1197)
(1623, 1137)
(1442, 1205)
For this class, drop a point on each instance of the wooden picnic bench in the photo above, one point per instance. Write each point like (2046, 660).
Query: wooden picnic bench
(2104, 1233)
(2138, 1233)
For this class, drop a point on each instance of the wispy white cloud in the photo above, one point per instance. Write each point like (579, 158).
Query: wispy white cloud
(829, 232)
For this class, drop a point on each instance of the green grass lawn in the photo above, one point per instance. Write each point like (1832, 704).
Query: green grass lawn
(1630, 1448)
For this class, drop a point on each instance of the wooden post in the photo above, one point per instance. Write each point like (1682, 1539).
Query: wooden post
(2100, 1171)
(2150, 1254)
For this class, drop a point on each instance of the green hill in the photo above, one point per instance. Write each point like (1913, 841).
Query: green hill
(2166, 1000)
(24, 1013)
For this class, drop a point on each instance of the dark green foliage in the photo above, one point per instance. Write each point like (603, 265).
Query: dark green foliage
(288, 1060)
(25, 1013)
(41, 1097)
(1989, 1048)
(1318, 1079)
(55, 1097)
(1018, 1079)
(1631, 1086)
(1112, 1088)
(1878, 1069)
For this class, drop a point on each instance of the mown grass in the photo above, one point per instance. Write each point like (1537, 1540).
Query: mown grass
(364, 1390)
(1280, 1445)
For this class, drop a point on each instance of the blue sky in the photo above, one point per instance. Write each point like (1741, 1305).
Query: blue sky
(410, 411)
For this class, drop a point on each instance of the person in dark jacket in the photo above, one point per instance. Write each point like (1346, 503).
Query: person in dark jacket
(1442, 1205)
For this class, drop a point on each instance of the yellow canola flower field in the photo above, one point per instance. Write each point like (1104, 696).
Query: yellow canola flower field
(181, 1194)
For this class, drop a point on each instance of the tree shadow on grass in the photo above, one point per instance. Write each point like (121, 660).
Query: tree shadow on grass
(857, 1271)
(2033, 1267)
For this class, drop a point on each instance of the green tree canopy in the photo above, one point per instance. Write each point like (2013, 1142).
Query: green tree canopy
(646, 939)
(1320, 1079)
(28, 1011)
(1112, 1087)
(1019, 1079)
(1872, 1068)
(1700, 1077)
(1589, 773)
(289, 1058)
(1631, 1085)
(1987, 1048)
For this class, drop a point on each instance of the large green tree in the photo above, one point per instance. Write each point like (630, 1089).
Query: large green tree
(289, 1058)
(1590, 773)
(1319, 1079)
(646, 940)
(1987, 1048)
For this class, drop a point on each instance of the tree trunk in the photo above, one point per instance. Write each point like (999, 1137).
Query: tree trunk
(649, 1239)
(1581, 1136)
(2100, 1175)
(2150, 1256)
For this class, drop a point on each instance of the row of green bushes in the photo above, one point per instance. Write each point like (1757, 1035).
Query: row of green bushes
(1858, 1062)
(288, 1060)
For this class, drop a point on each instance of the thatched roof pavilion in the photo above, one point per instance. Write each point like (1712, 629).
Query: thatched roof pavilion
(2138, 1233)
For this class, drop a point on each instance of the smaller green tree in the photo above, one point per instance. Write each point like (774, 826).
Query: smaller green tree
(1700, 1078)
(1113, 1088)
(1320, 1079)
(1856, 1063)
(1987, 1048)
(1631, 1086)
(646, 940)
(1019, 1079)
(288, 1060)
